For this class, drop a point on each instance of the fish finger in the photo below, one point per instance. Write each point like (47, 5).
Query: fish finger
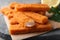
(37, 17)
(30, 7)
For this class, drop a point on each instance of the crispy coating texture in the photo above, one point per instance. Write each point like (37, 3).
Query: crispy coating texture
(19, 18)
(42, 12)
(43, 27)
(17, 25)
(37, 17)
(23, 30)
(12, 5)
(20, 14)
(8, 12)
(18, 22)
(29, 7)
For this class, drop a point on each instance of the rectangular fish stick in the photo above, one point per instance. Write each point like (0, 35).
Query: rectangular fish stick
(32, 7)
(42, 12)
(25, 30)
(43, 27)
(29, 7)
(37, 17)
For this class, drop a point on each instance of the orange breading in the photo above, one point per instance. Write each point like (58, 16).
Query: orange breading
(16, 29)
(37, 17)
(19, 22)
(6, 11)
(12, 5)
(21, 18)
(32, 7)
(29, 7)
(27, 18)
(41, 12)
(43, 27)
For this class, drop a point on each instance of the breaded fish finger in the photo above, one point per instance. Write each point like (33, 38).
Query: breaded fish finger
(30, 7)
(44, 27)
(16, 29)
(37, 17)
